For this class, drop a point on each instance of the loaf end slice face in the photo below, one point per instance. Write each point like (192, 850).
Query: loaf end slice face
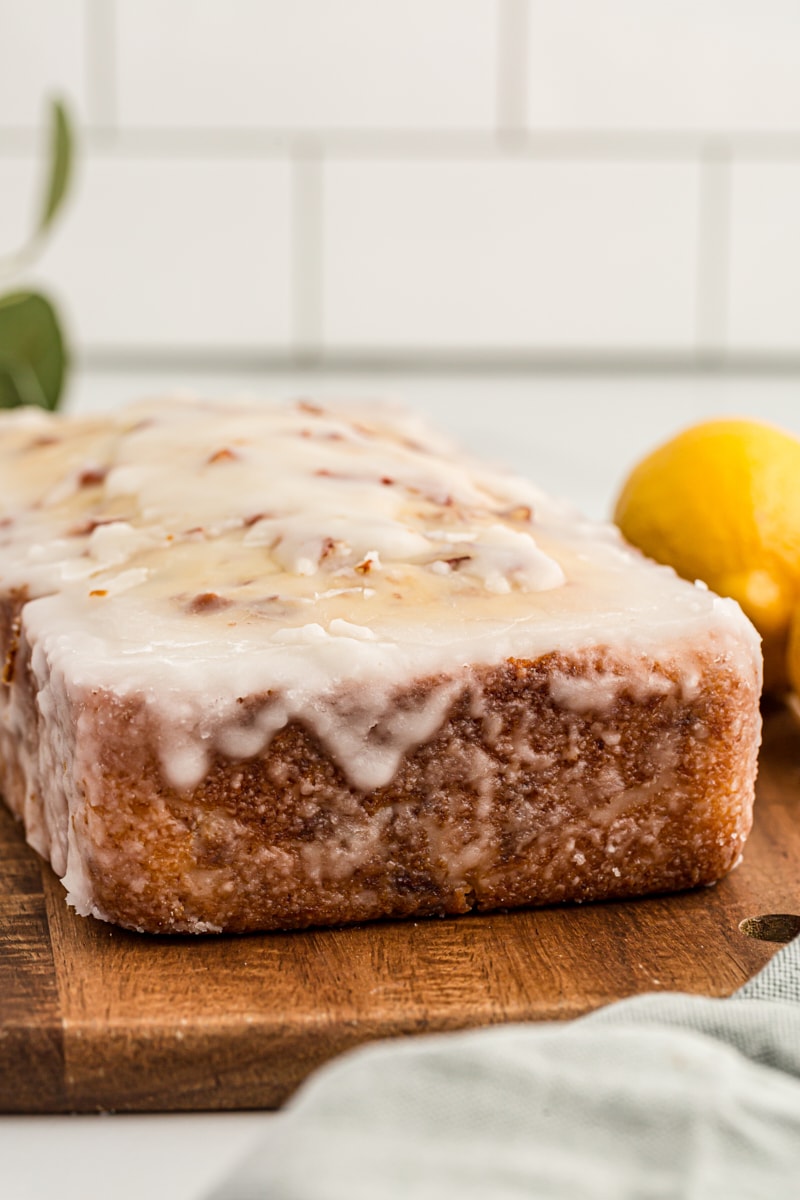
(272, 667)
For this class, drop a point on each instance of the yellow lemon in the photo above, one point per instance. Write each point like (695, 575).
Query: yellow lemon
(721, 502)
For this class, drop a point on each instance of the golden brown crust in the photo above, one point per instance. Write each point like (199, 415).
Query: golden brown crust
(518, 800)
(283, 841)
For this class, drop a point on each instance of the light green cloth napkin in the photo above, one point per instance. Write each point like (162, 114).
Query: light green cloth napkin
(661, 1097)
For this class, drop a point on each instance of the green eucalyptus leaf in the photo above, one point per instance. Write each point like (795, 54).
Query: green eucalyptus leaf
(60, 165)
(59, 174)
(32, 355)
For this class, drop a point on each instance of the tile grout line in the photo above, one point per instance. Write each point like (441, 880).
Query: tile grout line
(511, 59)
(603, 146)
(713, 248)
(307, 231)
(101, 67)
(511, 360)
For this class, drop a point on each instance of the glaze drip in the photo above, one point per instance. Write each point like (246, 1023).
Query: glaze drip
(193, 554)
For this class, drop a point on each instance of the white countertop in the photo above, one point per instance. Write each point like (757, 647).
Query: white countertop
(575, 435)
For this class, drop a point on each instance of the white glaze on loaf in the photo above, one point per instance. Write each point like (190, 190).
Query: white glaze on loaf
(199, 555)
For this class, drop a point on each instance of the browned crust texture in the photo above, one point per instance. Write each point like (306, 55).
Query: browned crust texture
(517, 800)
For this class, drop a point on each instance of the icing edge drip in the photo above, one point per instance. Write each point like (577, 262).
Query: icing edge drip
(192, 556)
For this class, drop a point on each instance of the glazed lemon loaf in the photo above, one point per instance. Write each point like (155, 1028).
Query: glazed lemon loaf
(270, 667)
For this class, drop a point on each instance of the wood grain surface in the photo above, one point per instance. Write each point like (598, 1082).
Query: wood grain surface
(93, 1017)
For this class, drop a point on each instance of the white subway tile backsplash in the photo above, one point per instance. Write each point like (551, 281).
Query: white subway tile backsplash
(306, 64)
(765, 260)
(664, 64)
(514, 254)
(174, 253)
(20, 202)
(455, 238)
(42, 53)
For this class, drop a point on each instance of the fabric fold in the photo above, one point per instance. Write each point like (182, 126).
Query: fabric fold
(659, 1097)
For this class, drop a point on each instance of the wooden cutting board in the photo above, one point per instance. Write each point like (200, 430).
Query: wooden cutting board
(93, 1017)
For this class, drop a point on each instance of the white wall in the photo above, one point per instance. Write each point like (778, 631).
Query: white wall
(397, 180)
